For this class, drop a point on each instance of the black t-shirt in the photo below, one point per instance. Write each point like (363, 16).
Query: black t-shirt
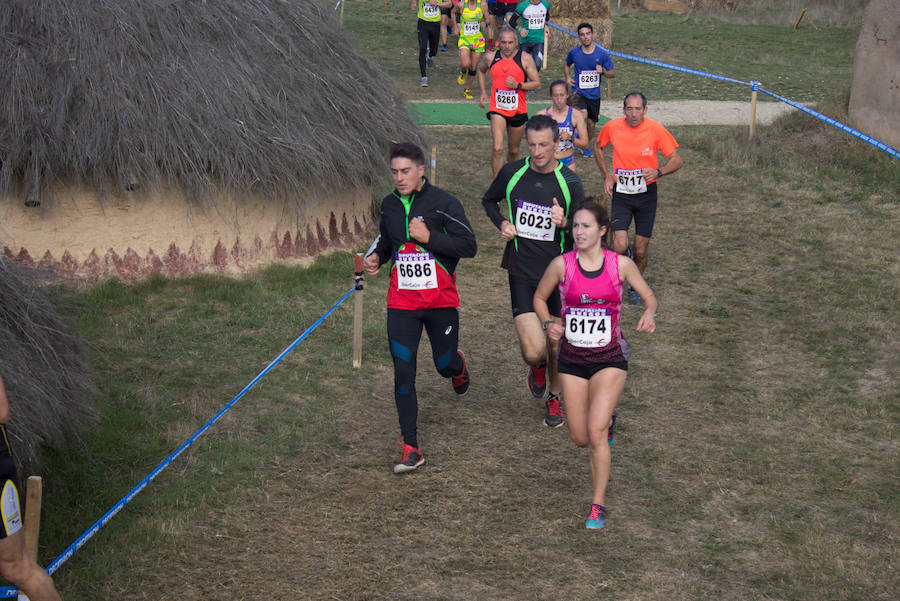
(526, 257)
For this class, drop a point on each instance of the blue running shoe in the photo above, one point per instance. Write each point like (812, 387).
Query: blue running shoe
(586, 153)
(597, 519)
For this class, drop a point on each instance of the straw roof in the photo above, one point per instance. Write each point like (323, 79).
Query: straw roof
(44, 367)
(262, 96)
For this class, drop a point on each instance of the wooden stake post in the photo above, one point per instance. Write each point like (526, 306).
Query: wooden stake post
(358, 312)
(753, 109)
(34, 489)
(433, 165)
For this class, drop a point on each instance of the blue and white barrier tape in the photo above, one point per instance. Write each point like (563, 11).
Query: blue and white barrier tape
(834, 123)
(649, 61)
(757, 87)
(81, 540)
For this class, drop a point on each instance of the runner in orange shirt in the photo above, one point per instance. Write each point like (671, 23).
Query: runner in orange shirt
(636, 143)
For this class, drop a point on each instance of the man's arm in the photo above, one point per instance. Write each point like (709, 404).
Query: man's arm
(481, 70)
(581, 139)
(672, 165)
(534, 81)
(4, 403)
(568, 74)
(600, 159)
(610, 73)
(456, 239)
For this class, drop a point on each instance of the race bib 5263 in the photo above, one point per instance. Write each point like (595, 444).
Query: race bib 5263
(588, 79)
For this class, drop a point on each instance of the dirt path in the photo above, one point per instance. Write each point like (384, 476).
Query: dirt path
(691, 112)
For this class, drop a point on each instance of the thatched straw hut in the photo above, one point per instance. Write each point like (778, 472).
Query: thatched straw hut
(170, 136)
(42, 362)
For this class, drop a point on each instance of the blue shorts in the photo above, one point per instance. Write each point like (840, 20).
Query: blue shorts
(567, 161)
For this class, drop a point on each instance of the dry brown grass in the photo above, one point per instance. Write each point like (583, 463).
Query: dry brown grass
(751, 460)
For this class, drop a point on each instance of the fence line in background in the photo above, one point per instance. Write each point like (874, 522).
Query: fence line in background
(756, 87)
(6, 592)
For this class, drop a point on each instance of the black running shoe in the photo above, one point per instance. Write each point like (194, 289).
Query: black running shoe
(555, 417)
(537, 381)
(410, 458)
(461, 382)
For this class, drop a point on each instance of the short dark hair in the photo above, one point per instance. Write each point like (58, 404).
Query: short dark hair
(559, 82)
(630, 94)
(408, 150)
(542, 122)
(583, 25)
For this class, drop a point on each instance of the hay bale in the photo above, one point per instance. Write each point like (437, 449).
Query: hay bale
(560, 43)
(595, 9)
(44, 366)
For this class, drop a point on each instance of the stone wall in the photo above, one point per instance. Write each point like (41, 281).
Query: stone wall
(875, 92)
(78, 237)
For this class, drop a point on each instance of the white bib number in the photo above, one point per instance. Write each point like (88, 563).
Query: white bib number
(536, 22)
(507, 100)
(430, 11)
(588, 327)
(471, 27)
(630, 181)
(567, 144)
(589, 79)
(533, 221)
(416, 271)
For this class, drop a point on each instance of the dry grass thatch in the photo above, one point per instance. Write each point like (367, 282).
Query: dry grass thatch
(267, 96)
(44, 368)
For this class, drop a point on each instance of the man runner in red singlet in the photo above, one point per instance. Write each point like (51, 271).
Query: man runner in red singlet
(513, 74)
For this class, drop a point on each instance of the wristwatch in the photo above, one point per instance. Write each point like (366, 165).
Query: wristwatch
(545, 324)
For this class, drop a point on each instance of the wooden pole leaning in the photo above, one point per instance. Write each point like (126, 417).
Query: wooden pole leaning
(753, 95)
(433, 165)
(358, 312)
(34, 490)
(342, 12)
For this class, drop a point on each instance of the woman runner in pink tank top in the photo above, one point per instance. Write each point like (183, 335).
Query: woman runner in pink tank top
(593, 354)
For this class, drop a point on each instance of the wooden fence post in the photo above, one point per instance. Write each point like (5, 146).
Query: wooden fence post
(34, 490)
(753, 108)
(358, 312)
(433, 165)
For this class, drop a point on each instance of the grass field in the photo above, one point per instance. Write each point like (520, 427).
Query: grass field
(759, 43)
(756, 453)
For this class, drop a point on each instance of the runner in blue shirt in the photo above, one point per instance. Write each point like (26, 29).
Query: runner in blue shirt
(591, 62)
